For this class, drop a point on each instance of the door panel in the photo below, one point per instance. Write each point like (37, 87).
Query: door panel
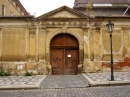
(64, 61)
(57, 61)
(71, 61)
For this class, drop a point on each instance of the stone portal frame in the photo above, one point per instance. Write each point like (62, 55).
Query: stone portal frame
(61, 31)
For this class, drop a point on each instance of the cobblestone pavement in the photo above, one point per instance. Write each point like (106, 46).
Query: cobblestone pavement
(113, 91)
(64, 81)
(68, 86)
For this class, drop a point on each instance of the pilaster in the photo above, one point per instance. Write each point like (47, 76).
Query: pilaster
(0, 44)
(37, 44)
(91, 47)
(86, 43)
(96, 43)
(32, 44)
(41, 43)
(27, 44)
(129, 42)
(81, 51)
(125, 42)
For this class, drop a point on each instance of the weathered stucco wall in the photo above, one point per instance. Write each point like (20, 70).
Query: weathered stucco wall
(25, 44)
(13, 44)
(22, 48)
(97, 46)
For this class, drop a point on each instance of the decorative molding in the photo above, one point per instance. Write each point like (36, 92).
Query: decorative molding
(72, 23)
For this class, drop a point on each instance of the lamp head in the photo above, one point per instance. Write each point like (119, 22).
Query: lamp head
(110, 26)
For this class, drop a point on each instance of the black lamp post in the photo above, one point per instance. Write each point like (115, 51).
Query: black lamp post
(110, 27)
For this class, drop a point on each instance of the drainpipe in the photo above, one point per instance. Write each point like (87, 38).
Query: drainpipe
(126, 10)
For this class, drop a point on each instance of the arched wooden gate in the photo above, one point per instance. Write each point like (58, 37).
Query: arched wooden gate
(64, 54)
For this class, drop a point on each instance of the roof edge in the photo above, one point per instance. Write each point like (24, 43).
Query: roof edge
(21, 6)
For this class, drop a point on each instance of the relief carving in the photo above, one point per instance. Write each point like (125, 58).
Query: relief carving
(64, 14)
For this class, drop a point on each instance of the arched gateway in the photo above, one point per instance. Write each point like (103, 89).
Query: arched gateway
(64, 54)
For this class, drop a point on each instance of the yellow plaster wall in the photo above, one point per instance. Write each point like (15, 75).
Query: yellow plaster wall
(13, 44)
(117, 44)
(10, 7)
(30, 43)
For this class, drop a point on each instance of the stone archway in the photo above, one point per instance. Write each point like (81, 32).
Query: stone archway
(64, 50)
(60, 31)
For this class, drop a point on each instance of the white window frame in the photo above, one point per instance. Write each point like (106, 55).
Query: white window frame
(3, 10)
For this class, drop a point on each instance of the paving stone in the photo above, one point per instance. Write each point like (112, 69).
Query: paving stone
(103, 79)
(119, 76)
(64, 81)
(114, 91)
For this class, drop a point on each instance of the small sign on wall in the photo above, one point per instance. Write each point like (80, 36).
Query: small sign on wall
(19, 67)
(69, 55)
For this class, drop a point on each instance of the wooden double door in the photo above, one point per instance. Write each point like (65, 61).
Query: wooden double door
(64, 55)
(64, 61)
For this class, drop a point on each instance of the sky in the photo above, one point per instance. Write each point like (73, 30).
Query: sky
(40, 7)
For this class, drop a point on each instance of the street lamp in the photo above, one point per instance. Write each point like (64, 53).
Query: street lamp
(110, 27)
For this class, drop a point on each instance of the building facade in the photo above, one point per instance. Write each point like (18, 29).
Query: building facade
(104, 7)
(12, 8)
(63, 41)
